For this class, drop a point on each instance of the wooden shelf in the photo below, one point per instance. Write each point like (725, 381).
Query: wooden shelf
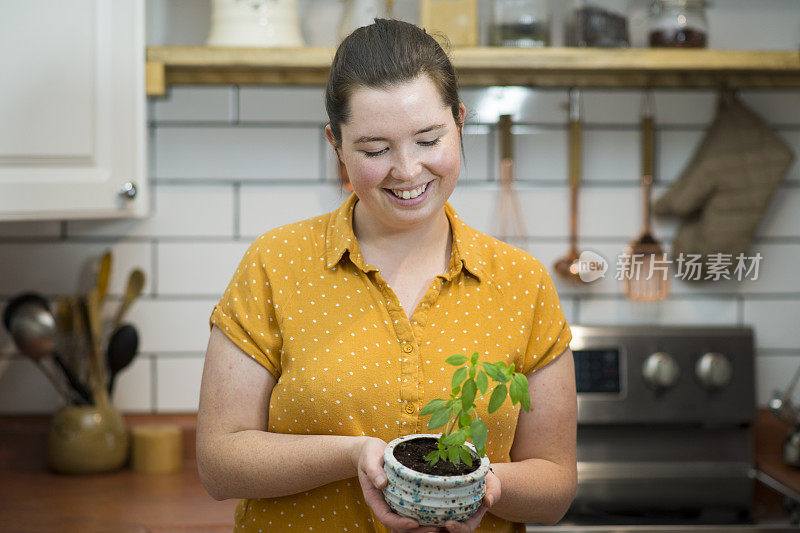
(487, 66)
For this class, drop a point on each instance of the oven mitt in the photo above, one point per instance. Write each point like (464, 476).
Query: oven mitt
(727, 185)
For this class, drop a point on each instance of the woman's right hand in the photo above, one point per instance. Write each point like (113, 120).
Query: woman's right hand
(369, 461)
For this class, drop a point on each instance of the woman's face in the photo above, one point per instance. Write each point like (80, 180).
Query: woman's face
(402, 137)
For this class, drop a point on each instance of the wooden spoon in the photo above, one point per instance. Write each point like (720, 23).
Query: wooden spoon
(97, 366)
(132, 291)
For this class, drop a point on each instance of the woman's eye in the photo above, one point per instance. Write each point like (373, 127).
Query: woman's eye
(430, 143)
(434, 142)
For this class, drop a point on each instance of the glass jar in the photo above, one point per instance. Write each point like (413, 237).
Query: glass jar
(520, 23)
(678, 24)
(597, 25)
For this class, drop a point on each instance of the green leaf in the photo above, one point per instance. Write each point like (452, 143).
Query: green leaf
(479, 434)
(498, 397)
(435, 460)
(440, 418)
(525, 397)
(472, 371)
(505, 371)
(474, 359)
(464, 420)
(456, 359)
(456, 437)
(492, 370)
(457, 389)
(465, 455)
(515, 392)
(482, 381)
(452, 454)
(458, 376)
(431, 455)
(432, 406)
(468, 394)
(443, 455)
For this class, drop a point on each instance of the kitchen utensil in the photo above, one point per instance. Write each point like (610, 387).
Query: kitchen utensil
(74, 382)
(122, 349)
(568, 266)
(509, 225)
(644, 280)
(103, 275)
(97, 367)
(33, 329)
(132, 291)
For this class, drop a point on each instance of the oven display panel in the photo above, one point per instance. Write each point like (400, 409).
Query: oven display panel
(597, 370)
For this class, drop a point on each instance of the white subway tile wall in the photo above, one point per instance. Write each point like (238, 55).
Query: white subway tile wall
(228, 163)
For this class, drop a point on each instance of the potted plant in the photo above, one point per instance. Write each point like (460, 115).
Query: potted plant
(435, 477)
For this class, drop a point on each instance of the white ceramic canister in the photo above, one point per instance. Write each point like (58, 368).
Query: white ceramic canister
(255, 23)
(429, 499)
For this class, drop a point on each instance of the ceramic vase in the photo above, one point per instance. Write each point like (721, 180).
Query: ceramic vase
(86, 439)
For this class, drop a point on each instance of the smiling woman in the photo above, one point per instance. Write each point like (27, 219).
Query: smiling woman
(334, 331)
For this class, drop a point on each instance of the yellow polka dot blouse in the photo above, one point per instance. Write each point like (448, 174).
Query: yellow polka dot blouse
(348, 361)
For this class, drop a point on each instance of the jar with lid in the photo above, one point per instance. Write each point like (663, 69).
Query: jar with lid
(678, 24)
(521, 23)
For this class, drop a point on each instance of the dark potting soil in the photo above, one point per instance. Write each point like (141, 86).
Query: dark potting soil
(412, 454)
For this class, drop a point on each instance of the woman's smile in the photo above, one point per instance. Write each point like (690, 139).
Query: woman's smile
(410, 197)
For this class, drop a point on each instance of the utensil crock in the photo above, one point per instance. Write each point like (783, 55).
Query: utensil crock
(431, 499)
(86, 439)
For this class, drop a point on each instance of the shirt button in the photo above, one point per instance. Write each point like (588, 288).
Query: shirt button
(408, 348)
(410, 408)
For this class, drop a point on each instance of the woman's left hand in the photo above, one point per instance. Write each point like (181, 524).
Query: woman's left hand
(491, 497)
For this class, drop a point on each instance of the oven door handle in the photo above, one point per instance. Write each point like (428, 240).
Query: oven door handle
(618, 470)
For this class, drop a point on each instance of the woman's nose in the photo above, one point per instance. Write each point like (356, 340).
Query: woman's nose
(406, 166)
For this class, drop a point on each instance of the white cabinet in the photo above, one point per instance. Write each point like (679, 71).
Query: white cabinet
(72, 109)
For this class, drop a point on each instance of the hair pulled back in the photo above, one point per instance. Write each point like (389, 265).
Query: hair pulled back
(384, 54)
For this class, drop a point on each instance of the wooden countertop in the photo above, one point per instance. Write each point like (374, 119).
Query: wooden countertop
(34, 499)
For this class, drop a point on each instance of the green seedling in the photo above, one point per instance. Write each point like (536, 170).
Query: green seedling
(459, 410)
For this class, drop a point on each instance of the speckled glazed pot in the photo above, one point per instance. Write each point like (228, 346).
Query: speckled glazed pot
(85, 439)
(432, 500)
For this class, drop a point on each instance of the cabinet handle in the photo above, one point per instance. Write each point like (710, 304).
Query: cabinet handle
(127, 191)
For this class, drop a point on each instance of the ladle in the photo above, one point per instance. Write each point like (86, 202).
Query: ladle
(568, 266)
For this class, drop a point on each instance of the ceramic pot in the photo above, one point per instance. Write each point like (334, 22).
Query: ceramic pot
(255, 23)
(432, 499)
(86, 439)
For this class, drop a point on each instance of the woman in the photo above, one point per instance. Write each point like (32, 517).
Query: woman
(333, 332)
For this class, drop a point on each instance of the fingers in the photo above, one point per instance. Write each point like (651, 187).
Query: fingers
(493, 490)
(470, 525)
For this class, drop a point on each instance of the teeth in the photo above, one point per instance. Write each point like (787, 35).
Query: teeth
(407, 195)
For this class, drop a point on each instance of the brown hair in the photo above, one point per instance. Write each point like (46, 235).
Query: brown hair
(387, 53)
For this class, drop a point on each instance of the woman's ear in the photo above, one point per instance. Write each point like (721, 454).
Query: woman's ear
(332, 140)
(462, 115)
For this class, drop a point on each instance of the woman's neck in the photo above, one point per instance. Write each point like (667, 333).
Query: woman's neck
(430, 241)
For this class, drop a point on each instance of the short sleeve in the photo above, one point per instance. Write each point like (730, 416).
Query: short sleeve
(550, 333)
(246, 313)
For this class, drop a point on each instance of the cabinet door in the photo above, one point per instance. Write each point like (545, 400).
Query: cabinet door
(72, 109)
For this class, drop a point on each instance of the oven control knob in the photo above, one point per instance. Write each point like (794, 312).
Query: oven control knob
(713, 370)
(660, 370)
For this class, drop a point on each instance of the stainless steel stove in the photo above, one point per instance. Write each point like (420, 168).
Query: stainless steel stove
(665, 434)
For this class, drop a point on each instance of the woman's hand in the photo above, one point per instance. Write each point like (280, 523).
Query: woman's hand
(369, 461)
(471, 524)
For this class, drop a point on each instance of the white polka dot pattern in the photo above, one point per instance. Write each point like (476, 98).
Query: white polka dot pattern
(305, 305)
